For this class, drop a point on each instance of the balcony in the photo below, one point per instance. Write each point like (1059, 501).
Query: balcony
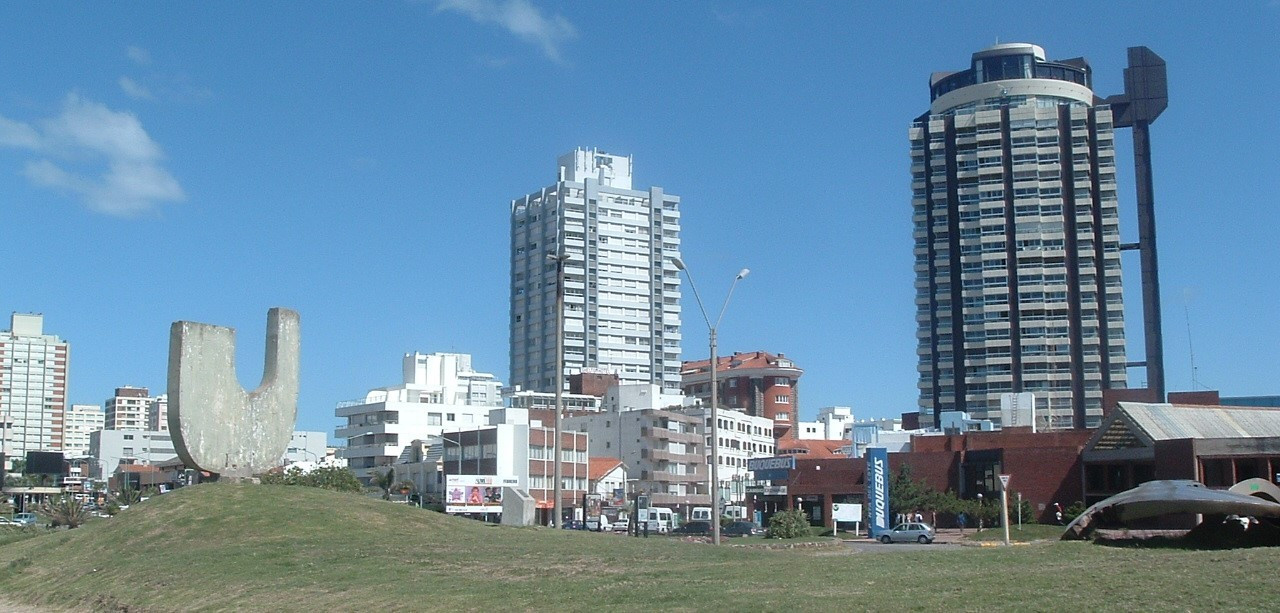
(663, 434)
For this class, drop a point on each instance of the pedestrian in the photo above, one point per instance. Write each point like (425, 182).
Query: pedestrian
(961, 519)
(919, 517)
(1057, 513)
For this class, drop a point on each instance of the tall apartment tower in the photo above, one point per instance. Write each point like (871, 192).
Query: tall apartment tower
(33, 386)
(622, 293)
(81, 421)
(1017, 243)
(128, 409)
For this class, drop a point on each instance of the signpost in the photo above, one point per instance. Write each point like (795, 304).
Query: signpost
(1004, 506)
(844, 512)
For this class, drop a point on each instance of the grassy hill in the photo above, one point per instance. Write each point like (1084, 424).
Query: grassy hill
(242, 547)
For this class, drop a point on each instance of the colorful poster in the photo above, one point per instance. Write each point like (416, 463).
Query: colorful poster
(878, 490)
(475, 493)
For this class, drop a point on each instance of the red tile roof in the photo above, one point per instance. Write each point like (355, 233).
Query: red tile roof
(811, 448)
(599, 467)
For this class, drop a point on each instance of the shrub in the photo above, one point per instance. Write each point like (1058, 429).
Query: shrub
(333, 478)
(788, 525)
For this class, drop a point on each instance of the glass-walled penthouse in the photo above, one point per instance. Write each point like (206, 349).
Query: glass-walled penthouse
(1012, 61)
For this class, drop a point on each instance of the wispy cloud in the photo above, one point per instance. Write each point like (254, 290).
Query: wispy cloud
(138, 55)
(520, 18)
(134, 89)
(84, 137)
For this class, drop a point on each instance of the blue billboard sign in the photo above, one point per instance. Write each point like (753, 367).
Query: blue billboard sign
(772, 469)
(878, 491)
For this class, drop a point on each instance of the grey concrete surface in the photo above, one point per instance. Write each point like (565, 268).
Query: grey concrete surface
(216, 425)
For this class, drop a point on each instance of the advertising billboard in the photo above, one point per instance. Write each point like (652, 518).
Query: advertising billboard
(476, 493)
(772, 469)
(878, 490)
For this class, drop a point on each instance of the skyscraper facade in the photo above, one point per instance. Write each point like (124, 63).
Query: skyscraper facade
(1017, 242)
(622, 293)
(33, 386)
(128, 408)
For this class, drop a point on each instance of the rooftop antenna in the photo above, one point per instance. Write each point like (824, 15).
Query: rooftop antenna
(1191, 348)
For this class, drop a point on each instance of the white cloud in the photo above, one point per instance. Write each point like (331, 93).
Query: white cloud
(134, 89)
(138, 55)
(84, 137)
(518, 17)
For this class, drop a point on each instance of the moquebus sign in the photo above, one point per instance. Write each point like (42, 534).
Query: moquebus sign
(878, 490)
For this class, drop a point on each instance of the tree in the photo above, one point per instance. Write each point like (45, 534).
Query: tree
(65, 511)
(907, 495)
(385, 482)
(127, 497)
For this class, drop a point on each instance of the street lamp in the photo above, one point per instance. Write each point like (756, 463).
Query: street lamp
(449, 440)
(715, 423)
(559, 257)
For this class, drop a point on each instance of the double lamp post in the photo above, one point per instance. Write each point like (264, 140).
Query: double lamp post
(714, 365)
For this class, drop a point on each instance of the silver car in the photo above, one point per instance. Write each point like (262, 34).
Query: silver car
(911, 532)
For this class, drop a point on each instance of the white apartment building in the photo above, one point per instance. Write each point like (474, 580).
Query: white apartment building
(622, 293)
(80, 421)
(833, 423)
(664, 452)
(33, 387)
(636, 396)
(109, 447)
(1017, 239)
(128, 409)
(741, 437)
(440, 393)
(306, 446)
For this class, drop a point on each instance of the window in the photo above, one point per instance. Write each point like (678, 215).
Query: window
(433, 419)
(782, 399)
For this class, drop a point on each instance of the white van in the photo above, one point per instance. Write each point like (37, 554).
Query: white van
(700, 514)
(659, 520)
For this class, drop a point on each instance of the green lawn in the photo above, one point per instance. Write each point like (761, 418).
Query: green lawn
(1029, 532)
(242, 547)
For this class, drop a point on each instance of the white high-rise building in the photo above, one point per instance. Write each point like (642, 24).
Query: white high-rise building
(1017, 240)
(81, 420)
(33, 387)
(441, 393)
(622, 293)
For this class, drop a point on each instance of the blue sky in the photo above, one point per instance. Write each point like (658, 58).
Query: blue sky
(356, 161)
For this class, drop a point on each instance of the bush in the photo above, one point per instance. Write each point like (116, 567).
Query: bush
(788, 525)
(333, 478)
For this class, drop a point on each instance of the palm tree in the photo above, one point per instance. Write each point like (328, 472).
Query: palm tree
(385, 482)
(126, 496)
(65, 511)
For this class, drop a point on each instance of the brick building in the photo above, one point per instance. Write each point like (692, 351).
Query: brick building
(758, 383)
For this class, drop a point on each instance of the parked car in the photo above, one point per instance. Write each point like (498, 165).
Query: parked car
(573, 524)
(912, 532)
(603, 525)
(700, 528)
(739, 528)
(621, 525)
(26, 519)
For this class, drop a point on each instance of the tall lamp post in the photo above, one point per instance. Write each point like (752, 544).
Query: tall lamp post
(559, 257)
(715, 422)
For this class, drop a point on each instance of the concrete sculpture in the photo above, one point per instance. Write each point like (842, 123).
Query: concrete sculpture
(216, 425)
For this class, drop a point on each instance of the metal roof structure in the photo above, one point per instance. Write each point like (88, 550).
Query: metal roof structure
(1138, 425)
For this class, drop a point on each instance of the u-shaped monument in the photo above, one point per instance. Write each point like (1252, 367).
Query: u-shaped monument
(216, 425)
